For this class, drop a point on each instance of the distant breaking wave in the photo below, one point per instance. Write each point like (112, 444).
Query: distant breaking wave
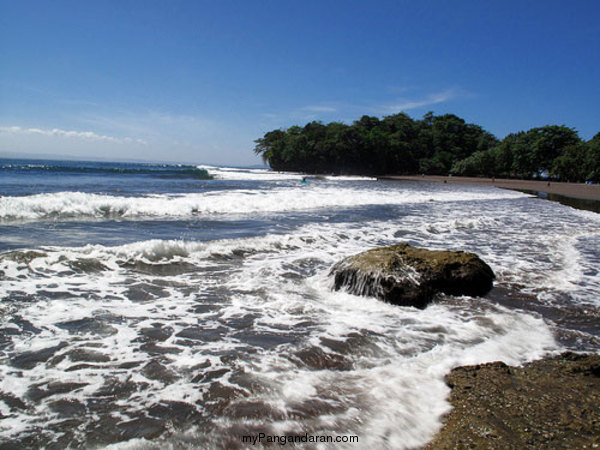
(158, 170)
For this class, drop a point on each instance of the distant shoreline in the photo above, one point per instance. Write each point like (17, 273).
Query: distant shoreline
(552, 190)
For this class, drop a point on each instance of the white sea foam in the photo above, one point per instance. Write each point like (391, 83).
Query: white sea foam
(389, 338)
(284, 199)
(231, 173)
(255, 304)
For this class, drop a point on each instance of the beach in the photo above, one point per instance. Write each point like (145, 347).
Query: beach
(572, 190)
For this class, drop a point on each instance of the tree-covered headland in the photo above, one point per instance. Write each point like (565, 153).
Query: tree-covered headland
(434, 145)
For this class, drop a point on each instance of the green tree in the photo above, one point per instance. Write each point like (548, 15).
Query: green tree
(536, 150)
(432, 145)
(592, 160)
(481, 163)
(571, 164)
(270, 148)
(443, 140)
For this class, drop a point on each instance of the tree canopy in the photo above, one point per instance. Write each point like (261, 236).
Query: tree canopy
(435, 145)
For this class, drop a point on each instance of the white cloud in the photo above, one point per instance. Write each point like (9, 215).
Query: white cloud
(156, 136)
(83, 135)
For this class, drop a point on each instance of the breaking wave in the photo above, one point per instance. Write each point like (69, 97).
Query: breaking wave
(153, 170)
(226, 325)
(64, 205)
(188, 342)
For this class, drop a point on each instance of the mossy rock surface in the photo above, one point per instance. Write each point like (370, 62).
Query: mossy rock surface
(550, 403)
(410, 276)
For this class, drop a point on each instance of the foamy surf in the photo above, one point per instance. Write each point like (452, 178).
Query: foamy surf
(69, 205)
(231, 173)
(296, 356)
(191, 313)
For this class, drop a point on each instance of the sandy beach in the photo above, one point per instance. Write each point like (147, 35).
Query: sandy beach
(573, 190)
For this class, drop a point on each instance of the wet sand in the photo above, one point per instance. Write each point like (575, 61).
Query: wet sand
(573, 190)
(576, 195)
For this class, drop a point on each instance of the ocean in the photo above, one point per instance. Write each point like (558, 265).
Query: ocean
(146, 306)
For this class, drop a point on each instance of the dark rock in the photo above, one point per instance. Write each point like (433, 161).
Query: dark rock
(316, 359)
(156, 371)
(37, 393)
(68, 408)
(86, 355)
(312, 408)
(352, 344)
(14, 403)
(161, 269)
(218, 396)
(156, 350)
(28, 360)
(82, 366)
(550, 403)
(141, 427)
(115, 388)
(155, 333)
(87, 265)
(143, 292)
(87, 325)
(129, 364)
(262, 339)
(411, 276)
(201, 334)
(209, 376)
(177, 413)
(254, 410)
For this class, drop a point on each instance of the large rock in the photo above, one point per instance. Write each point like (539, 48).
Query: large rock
(411, 276)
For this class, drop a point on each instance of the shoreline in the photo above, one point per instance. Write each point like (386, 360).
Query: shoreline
(574, 190)
(576, 195)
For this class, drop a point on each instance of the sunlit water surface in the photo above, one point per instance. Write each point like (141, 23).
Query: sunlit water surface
(151, 308)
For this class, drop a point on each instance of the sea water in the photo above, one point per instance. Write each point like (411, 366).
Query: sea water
(144, 306)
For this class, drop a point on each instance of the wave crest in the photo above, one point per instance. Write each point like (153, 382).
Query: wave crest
(66, 205)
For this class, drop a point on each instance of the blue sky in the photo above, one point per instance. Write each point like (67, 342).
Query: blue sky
(198, 81)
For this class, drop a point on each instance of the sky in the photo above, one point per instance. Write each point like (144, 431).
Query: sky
(199, 81)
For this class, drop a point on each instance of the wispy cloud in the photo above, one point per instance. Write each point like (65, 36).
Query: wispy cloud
(198, 137)
(154, 126)
(432, 99)
(317, 108)
(70, 134)
(115, 132)
(349, 111)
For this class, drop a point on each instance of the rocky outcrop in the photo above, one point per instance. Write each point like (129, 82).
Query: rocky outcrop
(411, 276)
(550, 403)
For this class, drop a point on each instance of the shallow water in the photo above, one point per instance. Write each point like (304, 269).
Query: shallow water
(153, 312)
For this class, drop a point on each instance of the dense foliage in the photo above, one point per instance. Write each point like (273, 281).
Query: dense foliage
(555, 151)
(434, 145)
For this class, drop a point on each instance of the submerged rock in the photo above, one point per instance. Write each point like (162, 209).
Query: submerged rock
(411, 276)
(550, 403)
